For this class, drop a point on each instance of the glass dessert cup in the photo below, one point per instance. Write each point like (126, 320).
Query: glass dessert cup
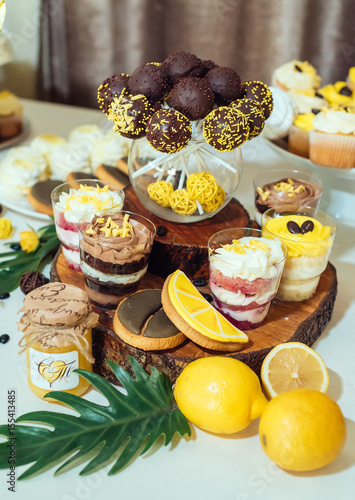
(147, 166)
(113, 266)
(285, 197)
(306, 260)
(243, 283)
(66, 220)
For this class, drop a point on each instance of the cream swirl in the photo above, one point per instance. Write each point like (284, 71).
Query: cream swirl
(279, 122)
(296, 75)
(333, 122)
(305, 103)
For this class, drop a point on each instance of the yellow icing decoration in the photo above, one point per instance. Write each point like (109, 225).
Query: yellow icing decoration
(201, 186)
(160, 192)
(264, 194)
(212, 204)
(287, 188)
(313, 243)
(352, 75)
(253, 244)
(90, 230)
(5, 228)
(331, 94)
(304, 121)
(181, 202)
(111, 228)
(29, 241)
(199, 313)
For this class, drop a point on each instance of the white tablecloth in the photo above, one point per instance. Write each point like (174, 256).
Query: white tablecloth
(204, 466)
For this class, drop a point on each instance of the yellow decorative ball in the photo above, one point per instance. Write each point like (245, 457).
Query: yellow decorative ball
(212, 204)
(181, 202)
(160, 192)
(201, 186)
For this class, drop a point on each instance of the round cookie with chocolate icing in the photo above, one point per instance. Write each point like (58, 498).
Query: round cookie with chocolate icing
(225, 83)
(193, 97)
(111, 88)
(130, 115)
(141, 322)
(226, 128)
(168, 130)
(113, 175)
(150, 80)
(39, 196)
(254, 113)
(259, 92)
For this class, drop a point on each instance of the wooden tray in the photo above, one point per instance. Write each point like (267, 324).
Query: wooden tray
(286, 321)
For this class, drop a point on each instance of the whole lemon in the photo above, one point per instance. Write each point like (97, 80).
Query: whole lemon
(219, 394)
(302, 430)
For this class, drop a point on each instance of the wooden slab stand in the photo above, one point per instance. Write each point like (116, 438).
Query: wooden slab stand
(286, 321)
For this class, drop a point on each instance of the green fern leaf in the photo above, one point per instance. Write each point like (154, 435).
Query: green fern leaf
(131, 422)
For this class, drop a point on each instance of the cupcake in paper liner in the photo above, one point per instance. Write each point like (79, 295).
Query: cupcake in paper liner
(298, 138)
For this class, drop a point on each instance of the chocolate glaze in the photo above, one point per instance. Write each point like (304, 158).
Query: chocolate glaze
(150, 80)
(181, 64)
(159, 326)
(42, 191)
(193, 97)
(225, 83)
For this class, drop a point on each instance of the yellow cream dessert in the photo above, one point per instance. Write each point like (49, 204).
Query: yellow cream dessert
(295, 74)
(338, 94)
(309, 243)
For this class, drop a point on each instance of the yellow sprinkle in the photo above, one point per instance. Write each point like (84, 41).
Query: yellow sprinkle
(90, 230)
(100, 220)
(108, 232)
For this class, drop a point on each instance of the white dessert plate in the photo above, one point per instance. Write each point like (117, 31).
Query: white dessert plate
(17, 138)
(20, 205)
(280, 147)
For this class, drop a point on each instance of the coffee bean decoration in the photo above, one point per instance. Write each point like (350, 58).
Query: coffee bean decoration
(207, 297)
(307, 227)
(199, 282)
(4, 295)
(318, 94)
(293, 227)
(4, 338)
(345, 91)
(298, 68)
(15, 246)
(162, 230)
(315, 111)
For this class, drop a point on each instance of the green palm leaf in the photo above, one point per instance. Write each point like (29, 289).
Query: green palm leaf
(131, 422)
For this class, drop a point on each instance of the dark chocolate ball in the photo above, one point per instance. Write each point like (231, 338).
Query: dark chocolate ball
(111, 88)
(193, 97)
(208, 64)
(168, 130)
(259, 92)
(182, 64)
(225, 83)
(225, 128)
(130, 115)
(254, 113)
(150, 80)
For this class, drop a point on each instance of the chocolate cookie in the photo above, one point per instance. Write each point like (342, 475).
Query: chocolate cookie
(112, 175)
(140, 321)
(39, 196)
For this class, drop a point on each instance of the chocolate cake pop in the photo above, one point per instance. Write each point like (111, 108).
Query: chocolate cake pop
(130, 114)
(168, 130)
(259, 92)
(208, 64)
(193, 97)
(111, 88)
(225, 84)
(254, 113)
(225, 128)
(182, 64)
(150, 80)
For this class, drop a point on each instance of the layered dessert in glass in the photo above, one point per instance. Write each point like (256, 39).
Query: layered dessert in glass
(285, 189)
(309, 240)
(244, 271)
(72, 200)
(114, 254)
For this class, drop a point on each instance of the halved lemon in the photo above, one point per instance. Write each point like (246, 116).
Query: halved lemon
(292, 365)
(199, 313)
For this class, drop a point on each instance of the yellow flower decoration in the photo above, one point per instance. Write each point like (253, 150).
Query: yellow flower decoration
(29, 241)
(5, 228)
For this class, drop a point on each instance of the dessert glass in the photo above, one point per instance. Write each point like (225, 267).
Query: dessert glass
(285, 196)
(113, 265)
(69, 205)
(308, 253)
(245, 271)
(146, 166)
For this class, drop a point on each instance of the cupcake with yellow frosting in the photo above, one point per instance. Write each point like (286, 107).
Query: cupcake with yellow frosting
(295, 74)
(298, 138)
(332, 139)
(350, 79)
(11, 111)
(338, 94)
(309, 242)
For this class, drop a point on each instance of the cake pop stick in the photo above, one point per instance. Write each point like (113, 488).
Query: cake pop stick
(229, 167)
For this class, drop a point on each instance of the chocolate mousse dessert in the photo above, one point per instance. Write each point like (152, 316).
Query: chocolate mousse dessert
(114, 254)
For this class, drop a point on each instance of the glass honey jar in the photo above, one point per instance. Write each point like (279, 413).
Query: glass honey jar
(57, 326)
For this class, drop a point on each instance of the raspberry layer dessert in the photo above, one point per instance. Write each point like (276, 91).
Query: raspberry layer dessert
(114, 254)
(284, 189)
(309, 242)
(244, 275)
(71, 201)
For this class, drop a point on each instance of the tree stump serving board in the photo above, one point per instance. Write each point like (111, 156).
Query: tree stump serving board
(286, 321)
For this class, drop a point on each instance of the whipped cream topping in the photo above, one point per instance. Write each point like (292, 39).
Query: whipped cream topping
(279, 122)
(332, 122)
(65, 159)
(109, 149)
(305, 102)
(21, 168)
(290, 77)
(84, 138)
(248, 258)
(9, 104)
(46, 143)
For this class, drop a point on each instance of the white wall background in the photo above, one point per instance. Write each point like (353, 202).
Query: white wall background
(22, 28)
